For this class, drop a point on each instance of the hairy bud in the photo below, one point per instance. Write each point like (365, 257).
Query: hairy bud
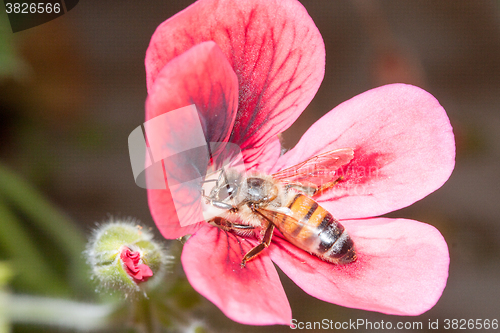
(123, 256)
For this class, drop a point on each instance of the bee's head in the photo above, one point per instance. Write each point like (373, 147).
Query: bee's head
(225, 191)
(227, 187)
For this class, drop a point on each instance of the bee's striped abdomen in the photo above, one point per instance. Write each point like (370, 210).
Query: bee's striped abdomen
(315, 230)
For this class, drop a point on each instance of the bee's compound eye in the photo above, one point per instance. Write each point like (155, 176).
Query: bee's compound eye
(255, 188)
(255, 182)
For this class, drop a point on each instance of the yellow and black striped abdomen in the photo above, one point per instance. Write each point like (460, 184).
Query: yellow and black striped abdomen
(313, 229)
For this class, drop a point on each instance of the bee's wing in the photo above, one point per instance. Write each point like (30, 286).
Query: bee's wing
(317, 170)
(287, 224)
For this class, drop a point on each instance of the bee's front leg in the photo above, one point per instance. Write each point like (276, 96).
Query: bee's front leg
(266, 240)
(219, 204)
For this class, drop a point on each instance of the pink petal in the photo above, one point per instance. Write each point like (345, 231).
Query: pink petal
(402, 267)
(403, 145)
(200, 76)
(274, 48)
(265, 158)
(144, 273)
(130, 259)
(165, 216)
(251, 295)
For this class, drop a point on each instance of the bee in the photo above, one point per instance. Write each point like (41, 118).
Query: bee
(256, 203)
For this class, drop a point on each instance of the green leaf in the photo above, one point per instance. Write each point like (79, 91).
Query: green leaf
(43, 216)
(5, 273)
(30, 267)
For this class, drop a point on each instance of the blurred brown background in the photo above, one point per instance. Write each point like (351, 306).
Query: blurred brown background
(77, 89)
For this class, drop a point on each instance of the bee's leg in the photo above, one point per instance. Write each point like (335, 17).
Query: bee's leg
(239, 229)
(266, 240)
(210, 200)
(221, 204)
(327, 186)
(217, 203)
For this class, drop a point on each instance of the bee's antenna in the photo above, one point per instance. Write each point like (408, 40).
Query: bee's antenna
(225, 178)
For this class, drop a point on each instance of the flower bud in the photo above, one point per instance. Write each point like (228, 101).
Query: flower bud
(123, 256)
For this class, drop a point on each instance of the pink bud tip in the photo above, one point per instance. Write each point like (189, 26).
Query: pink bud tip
(139, 272)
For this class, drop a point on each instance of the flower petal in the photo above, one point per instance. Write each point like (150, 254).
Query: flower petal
(403, 145)
(200, 76)
(402, 267)
(164, 214)
(139, 272)
(251, 295)
(274, 48)
(265, 158)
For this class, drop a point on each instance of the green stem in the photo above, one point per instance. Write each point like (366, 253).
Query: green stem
(59, 313)
(4, 321)
(145, 321)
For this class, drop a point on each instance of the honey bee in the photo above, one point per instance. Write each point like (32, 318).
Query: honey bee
(257, 203)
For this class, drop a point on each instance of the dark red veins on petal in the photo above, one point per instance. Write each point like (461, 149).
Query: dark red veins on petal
(252, 294)
(234, 255)
(273, 47)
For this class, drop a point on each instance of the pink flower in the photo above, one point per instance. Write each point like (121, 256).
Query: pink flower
(138, 272)
(251, 68)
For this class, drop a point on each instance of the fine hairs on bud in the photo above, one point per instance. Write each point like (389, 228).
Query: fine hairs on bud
(123, 256)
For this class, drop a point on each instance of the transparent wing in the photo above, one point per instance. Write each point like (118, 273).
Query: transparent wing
(279, 218)
(317, 170)
(287, 224)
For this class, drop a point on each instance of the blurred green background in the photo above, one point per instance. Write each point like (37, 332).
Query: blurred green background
(71, 91)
